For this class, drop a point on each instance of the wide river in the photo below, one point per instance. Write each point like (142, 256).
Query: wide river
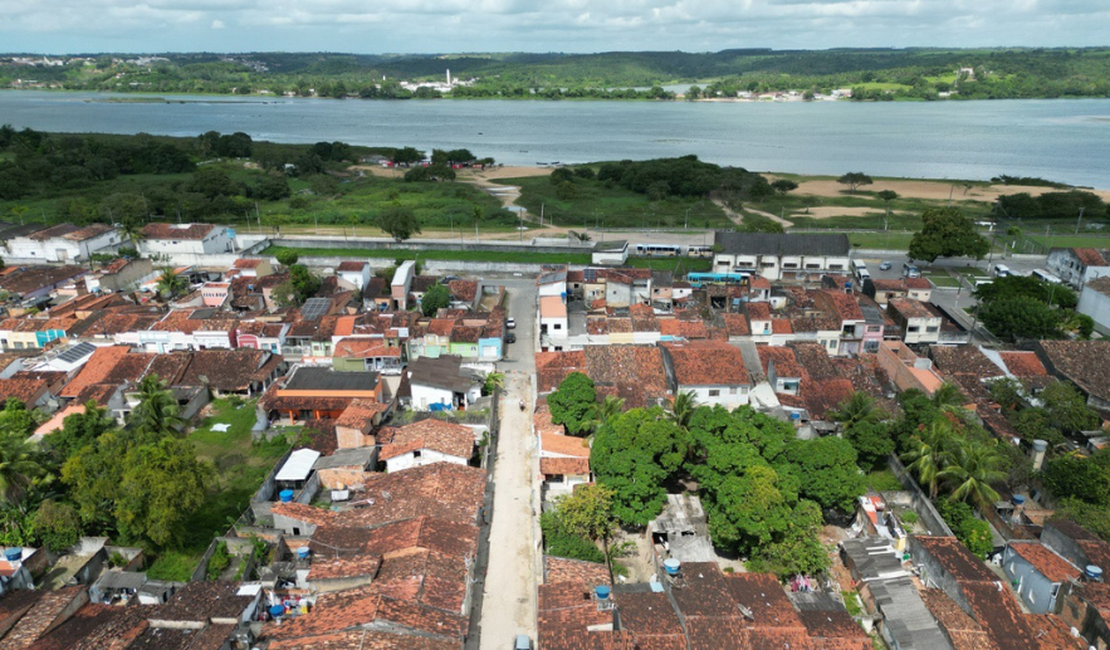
(1061, 140)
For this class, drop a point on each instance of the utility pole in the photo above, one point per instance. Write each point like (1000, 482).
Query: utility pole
(1079, 220)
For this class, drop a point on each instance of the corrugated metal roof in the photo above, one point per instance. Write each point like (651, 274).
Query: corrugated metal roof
(299, 465)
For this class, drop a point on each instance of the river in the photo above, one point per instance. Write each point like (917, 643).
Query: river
(1060, 140)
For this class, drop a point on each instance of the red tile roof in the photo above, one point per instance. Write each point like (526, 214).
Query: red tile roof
(706, 363)
(360, 414)
(27, 390)
(565, 466)
(736, 324)
(361, 639)
(175, 231)
(1024, 364)
(563, 445)
(955, 558)
(433, 434)
(97, 369)
(1044, 560)
(557, 569)
(758, 310)
(1089, 256)
(440, 490)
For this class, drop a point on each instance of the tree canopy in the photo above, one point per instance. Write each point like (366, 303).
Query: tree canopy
(854, 180)
(572, 404)
(435, 298)
(399, 222)
(946, 232)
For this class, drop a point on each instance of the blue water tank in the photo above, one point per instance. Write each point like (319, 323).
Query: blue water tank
(286, 496)
(602, 592)
(302, 552)
(276, 610)
(13, 554)
(1094, 572)
(672, 566)
(1018, 499)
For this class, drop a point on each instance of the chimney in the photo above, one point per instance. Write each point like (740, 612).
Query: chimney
(1039, 447)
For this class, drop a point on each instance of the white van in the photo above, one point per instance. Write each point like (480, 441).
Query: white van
(1002, 271)
(910, 271)
(1045, 276)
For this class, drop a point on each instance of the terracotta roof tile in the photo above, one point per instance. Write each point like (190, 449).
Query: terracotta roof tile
(704, 363)
(786, 364)
(758, 310)
(24, 389)
(175, 231)
(437, 435)
(1024, 364)
(1052, 633)
(564, 466)
(97, 369)
(834, 630)
(563, 445)
(762, 594)
(1082, 362)
(955, 558)
(360, 414)
(995, 608)
(305, 513)
(736, 324)
(440, 490)
(44, 613)
(557, 569)
(1089, 256)
(364, 640)
(1044, 560)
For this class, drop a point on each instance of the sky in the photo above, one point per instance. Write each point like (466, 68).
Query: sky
(442, 26)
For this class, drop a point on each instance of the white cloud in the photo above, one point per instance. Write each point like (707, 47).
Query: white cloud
(542, 25)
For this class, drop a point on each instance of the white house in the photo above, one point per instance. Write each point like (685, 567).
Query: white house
(564, 460)
(402, 283)
(356, 273)
(426, 442)
(438, 383)
(63, 243)
(1077, 266)
(1094, 301)
(186, 238)
(713, 371)
(920, 321)
(610, 253)
(554, 324)
(777, 256)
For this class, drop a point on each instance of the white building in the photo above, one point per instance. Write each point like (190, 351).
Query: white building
(1094, 301)
(186, 238)
(777, 256)
(439, 383)
(63, 243)
(920, 321)
(1077, 266)
(713, 371)
(402, 284)
(356, 273)
(426, 442)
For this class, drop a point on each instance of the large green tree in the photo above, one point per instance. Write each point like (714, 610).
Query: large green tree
(854, 180)
(78, 430)
(18, 467)
(831, 476)
(946, 232)
(161, 484)
(157, 413)
(971, 469)
(399, 221)
(1020, 317)
(633, 454)
(435, 298)
(573, 403)
(588, 512)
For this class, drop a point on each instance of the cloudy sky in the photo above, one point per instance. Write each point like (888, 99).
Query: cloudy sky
(374, 26)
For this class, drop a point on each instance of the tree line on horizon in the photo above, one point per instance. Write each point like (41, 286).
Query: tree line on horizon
(873, 73)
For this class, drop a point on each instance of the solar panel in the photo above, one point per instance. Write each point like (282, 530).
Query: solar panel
(77, 352)
(315, 308)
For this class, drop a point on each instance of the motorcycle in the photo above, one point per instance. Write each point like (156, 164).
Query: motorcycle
(522, 405)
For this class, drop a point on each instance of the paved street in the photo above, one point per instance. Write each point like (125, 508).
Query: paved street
(509, 587)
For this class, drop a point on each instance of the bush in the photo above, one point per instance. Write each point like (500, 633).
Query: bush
(909, 517)
(57, 524)
(287, 257)
(973, 533)
(219, 561)
(560, 543)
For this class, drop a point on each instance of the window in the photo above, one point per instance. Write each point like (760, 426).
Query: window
(558, 326)
(416, 454)
(555, 478)
(915, 328)
(713, 392)
(872, 328)
(871, 346)
(932, 329)
(732, 391)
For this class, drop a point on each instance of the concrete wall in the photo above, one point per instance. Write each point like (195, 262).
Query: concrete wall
(427, 457)
(1097, 306)
(928, 514)
(365, 243)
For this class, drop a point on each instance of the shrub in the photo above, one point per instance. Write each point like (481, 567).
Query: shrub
(560, 543)
(219, 561)
(909, 517)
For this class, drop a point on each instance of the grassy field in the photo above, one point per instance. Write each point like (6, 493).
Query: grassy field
(594, 204)
(241, 466)
(905, 213)
(446, 255)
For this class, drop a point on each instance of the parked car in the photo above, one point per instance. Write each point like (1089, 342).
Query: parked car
(510, 323)
(510, 338)
(885, 266)
(522, 642)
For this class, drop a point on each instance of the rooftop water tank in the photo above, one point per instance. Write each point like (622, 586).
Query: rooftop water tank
(302, 553)
(276, 610)
(286, 496)
(671, 566)
(1018, 499)
(13, 554)
(602, 592)
(1094, 572)
(1040, 445)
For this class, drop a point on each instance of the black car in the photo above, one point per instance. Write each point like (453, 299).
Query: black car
(510, 337)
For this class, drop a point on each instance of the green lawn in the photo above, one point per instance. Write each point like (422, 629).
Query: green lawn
(1072, 241)
(447, 255)
(896, 241)
(884, 481)
(944, 281)
(594, 204)
(241, 466)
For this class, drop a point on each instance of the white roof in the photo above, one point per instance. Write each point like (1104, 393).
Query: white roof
(299, 465)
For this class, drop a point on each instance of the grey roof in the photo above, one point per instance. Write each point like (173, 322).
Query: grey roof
(9, 231)
(874, 558)
(121, 580)
(611, 245)
(760, 243)
(443, 372)
(907, 617)
(310, 378)
(359, 456)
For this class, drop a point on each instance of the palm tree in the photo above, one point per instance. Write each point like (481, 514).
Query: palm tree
(132, 230)
(171, 283)
(858, 409)
(929, 453)
(948, 397)
(608, 409)
(972, 467)
(682, 409)
(493, 381)
(17, 468)
(158, 413)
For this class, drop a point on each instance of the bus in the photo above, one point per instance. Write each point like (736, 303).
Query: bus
(657, 250)
(697, 279)
(859, 268)
(1045, 276)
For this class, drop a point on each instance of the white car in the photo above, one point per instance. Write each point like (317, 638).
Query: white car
(511, 323)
